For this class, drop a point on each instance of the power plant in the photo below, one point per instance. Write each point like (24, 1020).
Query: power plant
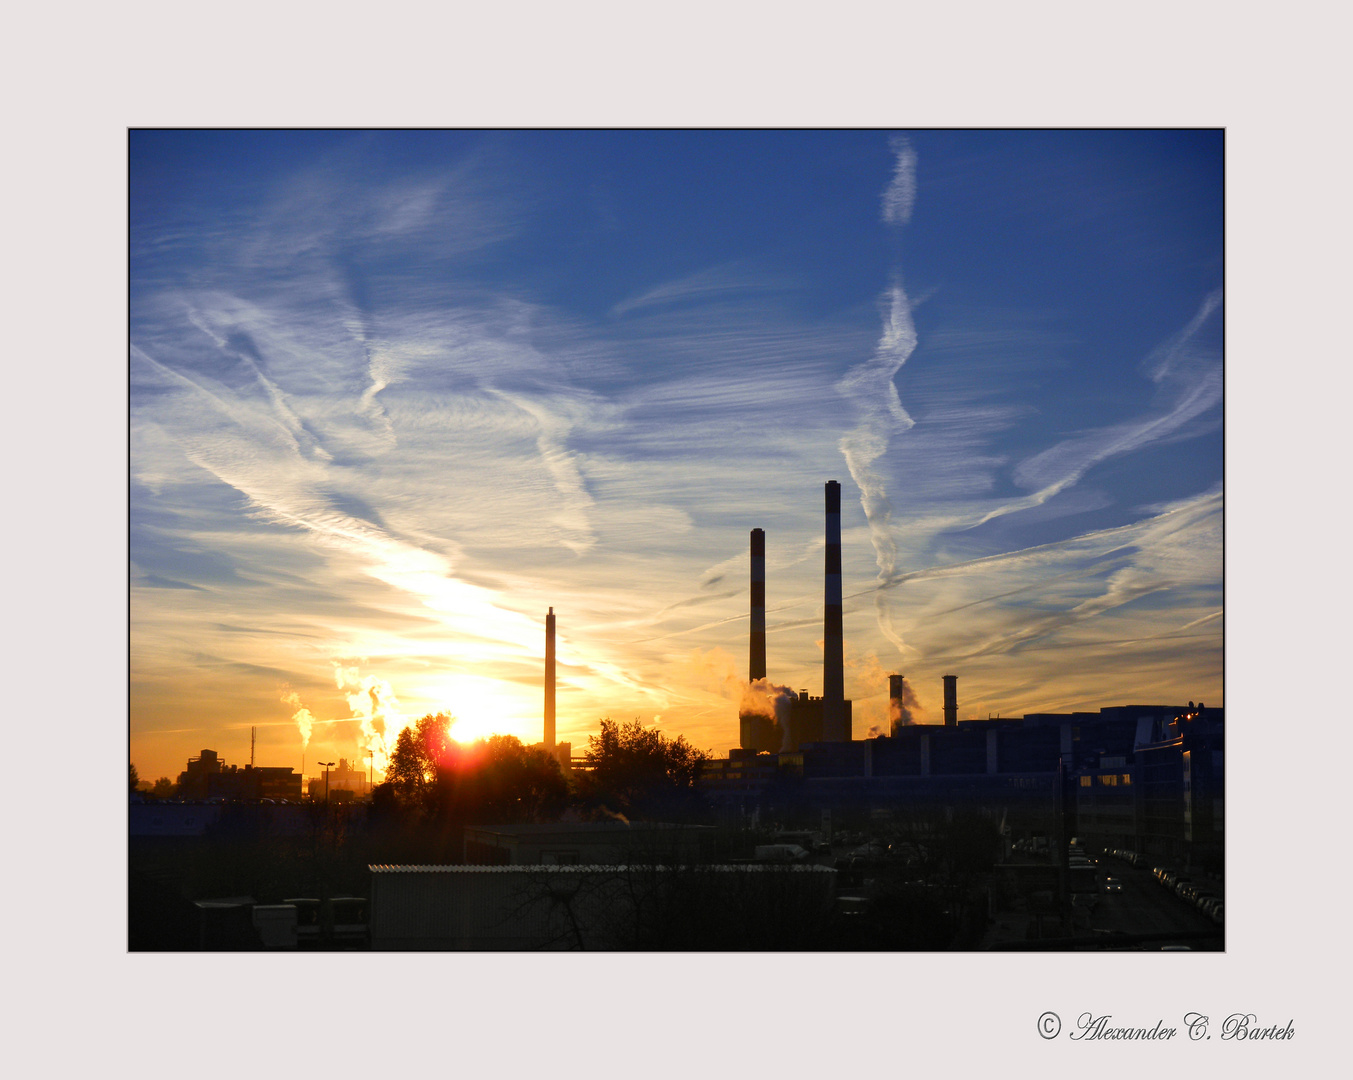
(773, 719)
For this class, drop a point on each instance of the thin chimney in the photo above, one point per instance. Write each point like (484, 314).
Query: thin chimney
(757, 665)
(833, 656)
(951, 701)
(549, 679)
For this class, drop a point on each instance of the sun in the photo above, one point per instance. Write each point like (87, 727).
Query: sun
(480, 707)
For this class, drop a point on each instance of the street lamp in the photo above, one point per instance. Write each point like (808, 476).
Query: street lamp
(326, 765)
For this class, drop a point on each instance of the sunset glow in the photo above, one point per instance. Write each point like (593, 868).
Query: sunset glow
(394, 395)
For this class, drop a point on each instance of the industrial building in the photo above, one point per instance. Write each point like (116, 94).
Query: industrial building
(208, 777)
(1147, 777)
(773, 719)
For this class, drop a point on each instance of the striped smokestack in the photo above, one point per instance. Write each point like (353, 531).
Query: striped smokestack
(549, 679)
(756, 668)
(833, 646)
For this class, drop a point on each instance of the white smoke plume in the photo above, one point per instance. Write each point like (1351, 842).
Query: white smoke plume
(305, 722)
(614, 814)
(373, 702)
(762, 697)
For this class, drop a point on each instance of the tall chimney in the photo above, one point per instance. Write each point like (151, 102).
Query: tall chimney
(549, 679)
(951, 701)
(757, 666)
(895, 704)
(833, 646)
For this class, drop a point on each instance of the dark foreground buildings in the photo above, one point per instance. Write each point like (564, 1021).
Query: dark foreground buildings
(1145, 777)
(953, 836)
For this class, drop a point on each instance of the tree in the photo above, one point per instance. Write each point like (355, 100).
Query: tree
(135, 779)
(499, 781)
(493, 781)
(642, 772)
(417, 755)
(164, 788)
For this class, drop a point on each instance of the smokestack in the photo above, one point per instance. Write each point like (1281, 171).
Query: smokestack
(757, 664)
(951, 701)
(549, 679)
(896, 705)
(833, 654)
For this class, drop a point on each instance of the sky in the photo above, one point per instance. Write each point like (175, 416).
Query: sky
(394, 394)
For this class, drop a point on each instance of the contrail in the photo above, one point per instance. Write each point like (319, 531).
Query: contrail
(870, 386)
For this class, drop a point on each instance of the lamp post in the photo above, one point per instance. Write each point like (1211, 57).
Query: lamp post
(326, 765)
(326, 918)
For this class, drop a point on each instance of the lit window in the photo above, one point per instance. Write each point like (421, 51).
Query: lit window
(1085, 781)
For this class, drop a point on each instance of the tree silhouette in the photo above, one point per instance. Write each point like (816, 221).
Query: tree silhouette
(491, 781)
(135, 779)
(498, 781)
(417, 755)
(641, 772)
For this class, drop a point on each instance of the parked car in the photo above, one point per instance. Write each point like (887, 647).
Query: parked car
(1207, 903)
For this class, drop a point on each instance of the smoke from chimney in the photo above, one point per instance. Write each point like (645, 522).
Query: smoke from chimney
(904, 707)
(373, 702)
(305, 722)
(764, 701)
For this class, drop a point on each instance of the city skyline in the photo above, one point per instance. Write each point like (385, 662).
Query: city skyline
(396, 394)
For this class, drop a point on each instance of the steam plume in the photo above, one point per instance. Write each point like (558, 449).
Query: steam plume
(305, 723)
(765, 699)
(907, 711)
(373, 702)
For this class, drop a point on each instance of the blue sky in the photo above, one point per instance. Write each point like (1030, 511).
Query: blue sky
(393, 394)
